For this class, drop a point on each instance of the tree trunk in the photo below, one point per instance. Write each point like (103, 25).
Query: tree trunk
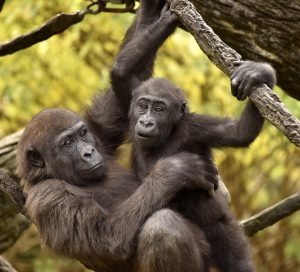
(262, 31)
(12, 224)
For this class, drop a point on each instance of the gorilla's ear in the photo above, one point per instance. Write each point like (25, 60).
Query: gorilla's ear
(183, 109)
(35, 158)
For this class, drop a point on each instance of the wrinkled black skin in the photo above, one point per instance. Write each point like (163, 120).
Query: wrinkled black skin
(87, 207)
(161, 126)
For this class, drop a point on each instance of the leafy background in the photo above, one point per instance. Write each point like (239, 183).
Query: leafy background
(68, 69)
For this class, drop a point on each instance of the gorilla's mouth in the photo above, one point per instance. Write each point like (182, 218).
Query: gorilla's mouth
(145, 135)
(98, 165)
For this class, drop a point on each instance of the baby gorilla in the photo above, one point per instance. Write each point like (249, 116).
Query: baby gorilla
(161, 126)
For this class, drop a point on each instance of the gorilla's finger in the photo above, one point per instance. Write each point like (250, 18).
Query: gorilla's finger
(165, 8)
(234, 86)
(236, 80)
(241, 89)
(248, 88)
(238, 63)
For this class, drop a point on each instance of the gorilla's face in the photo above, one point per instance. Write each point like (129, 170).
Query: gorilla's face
(76, 157)
(57, 144)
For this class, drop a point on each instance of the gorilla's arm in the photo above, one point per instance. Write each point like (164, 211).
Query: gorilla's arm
(223, 132)
(135, 61)
(108, 115)
(226, 132)
(74, 224)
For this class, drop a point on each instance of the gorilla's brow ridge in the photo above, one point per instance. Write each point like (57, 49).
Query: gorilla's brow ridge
(70, 131)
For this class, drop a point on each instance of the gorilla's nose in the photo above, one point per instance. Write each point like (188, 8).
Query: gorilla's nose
(87, 152)
(146, 123)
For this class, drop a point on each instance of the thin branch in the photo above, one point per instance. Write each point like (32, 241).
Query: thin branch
(1, 4)
(271, 215)
(224, 57)
(5, 266)
(252, 225)
(55, 25)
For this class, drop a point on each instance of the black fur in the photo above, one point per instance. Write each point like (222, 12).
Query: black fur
(95, 212)
(161, 126)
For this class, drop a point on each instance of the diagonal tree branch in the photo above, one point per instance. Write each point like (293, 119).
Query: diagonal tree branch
(271, 215)
(55, 25)
(5, 266)
(224, 57)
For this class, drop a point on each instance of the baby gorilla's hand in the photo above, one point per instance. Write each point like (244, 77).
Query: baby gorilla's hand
(250, 75)
(169, 17)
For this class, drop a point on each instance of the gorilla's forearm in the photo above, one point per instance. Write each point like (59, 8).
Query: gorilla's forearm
(107, 122)
(75, 225)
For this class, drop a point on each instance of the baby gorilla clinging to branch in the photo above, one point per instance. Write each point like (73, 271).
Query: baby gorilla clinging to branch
(161, 126)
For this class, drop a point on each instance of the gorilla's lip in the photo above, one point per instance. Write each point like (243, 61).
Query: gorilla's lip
(144, 135)
(94, 167)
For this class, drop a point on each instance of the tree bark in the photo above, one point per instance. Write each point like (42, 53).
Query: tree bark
(8, 153)
(262, 31)
(271, 215)
(12, 224)
(226, 58)
(5, 266)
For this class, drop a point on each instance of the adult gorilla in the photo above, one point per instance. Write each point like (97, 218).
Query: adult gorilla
(85, 206)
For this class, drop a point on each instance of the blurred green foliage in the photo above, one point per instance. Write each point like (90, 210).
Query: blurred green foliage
(66, 70)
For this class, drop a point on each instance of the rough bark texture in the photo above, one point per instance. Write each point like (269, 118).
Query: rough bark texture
(6, 266)
(8, 153)
(224, 57)
(12, 224)
(260, 30)
(56, 25)
(271, 215)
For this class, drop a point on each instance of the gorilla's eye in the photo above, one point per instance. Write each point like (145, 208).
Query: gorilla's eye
(83, 132)
(67, 142)
(143, 106)
(159, 109)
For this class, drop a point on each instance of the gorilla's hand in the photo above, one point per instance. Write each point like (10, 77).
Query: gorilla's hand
(168, 16)
(249, 75)
(197, 172)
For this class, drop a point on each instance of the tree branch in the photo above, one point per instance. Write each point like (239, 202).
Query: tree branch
(55, 25)
(252, 225)
(13, 190)
(6, 266)
(224, 57)
(1, 4)
(271, 215)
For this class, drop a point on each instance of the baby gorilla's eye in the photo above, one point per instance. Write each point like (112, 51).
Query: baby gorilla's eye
(83, 132)
(143, 106)
(159, 109)
(67, 142)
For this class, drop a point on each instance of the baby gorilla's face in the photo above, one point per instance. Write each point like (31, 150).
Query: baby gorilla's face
(156, 108)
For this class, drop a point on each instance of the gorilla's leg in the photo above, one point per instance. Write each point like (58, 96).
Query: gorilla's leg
(229, 246)
(169, 243)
